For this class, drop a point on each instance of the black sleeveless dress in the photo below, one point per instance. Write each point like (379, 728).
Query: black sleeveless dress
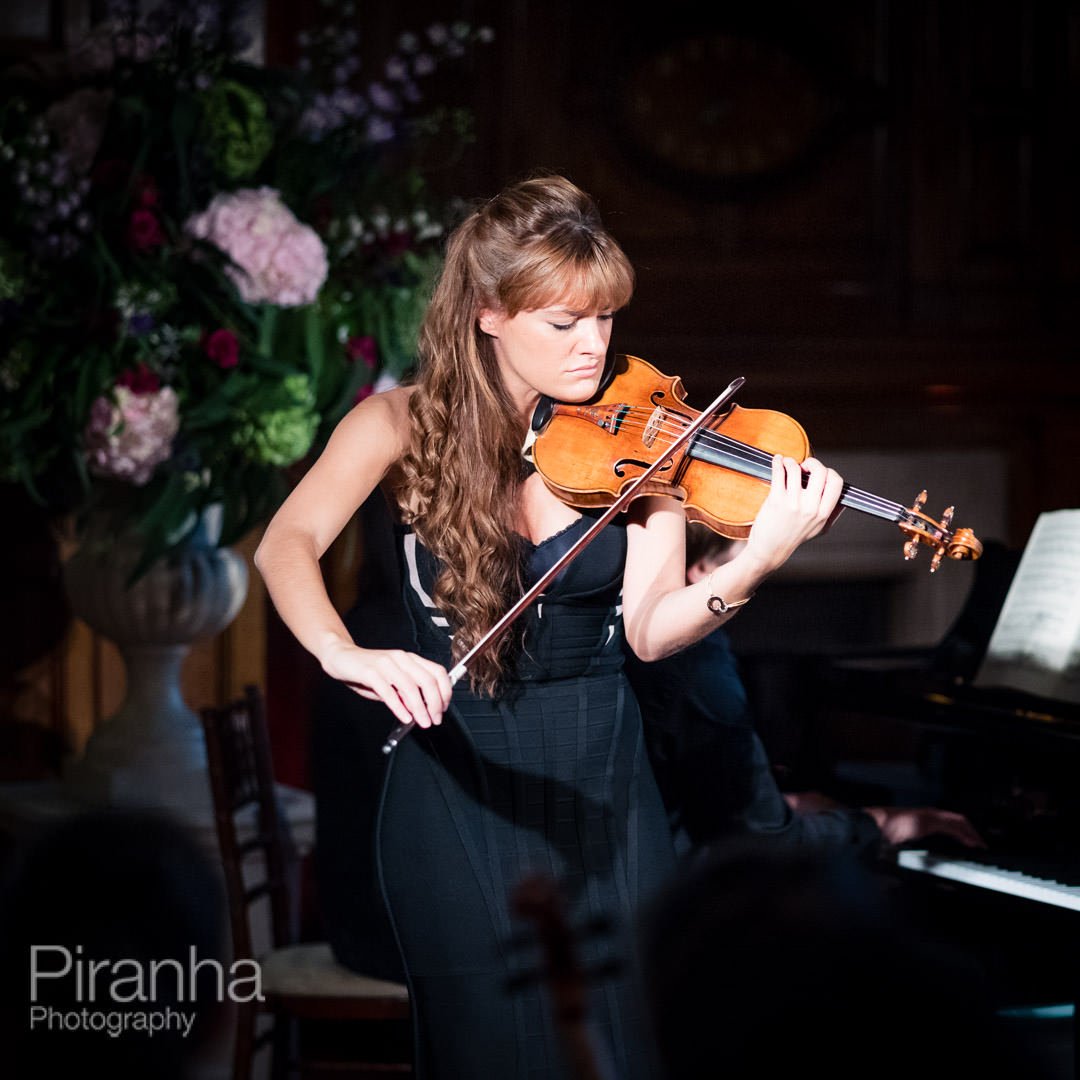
(553, 777)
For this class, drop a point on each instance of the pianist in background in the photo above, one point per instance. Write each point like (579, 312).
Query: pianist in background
(712, 769)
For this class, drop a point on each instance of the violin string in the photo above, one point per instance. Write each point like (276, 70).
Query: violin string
(742, 452)
(737, 450)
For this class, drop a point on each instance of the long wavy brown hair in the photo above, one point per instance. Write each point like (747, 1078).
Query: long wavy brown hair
(537, 244)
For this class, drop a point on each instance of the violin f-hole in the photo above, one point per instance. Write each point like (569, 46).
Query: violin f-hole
(620, 466)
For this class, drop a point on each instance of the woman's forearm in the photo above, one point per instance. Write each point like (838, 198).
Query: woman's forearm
(665, 623)
(663, 614)
(290, 568)
(363, 446)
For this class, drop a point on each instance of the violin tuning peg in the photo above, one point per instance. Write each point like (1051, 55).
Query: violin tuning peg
(911, 549)
(920, 501)
(935, 562)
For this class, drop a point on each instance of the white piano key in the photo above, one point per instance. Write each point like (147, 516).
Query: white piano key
(994, 878)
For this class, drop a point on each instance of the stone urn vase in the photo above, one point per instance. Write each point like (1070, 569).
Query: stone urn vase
(151, 752)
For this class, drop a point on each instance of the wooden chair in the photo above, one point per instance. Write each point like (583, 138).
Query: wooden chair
(300, 981)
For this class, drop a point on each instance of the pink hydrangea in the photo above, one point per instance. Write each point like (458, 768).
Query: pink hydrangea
(129, 434)
(278, 260)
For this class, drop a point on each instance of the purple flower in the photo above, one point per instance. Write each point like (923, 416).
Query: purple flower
(384, 100)
(424, 64)
(141, 324)
(396, 69)
(348, 102)
(379, 130)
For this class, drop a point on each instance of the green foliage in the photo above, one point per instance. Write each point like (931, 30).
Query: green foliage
(135, 378)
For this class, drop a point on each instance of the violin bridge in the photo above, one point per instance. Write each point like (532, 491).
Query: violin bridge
(652, 426)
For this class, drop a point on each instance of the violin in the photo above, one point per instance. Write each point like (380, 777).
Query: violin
(636, 436)
(588, 454)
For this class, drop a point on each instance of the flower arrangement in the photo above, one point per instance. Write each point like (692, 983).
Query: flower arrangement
(206, 262)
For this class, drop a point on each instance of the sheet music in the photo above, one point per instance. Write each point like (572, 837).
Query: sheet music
(1035, 646)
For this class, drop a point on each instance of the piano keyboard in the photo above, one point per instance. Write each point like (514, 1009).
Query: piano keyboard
(995, 878)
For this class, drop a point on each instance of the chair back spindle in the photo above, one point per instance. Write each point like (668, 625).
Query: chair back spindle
(259, 862)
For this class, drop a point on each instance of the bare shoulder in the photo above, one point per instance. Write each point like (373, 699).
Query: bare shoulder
(395, 402)
(380, 421)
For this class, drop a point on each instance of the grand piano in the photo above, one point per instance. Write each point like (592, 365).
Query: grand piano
(1010, 761)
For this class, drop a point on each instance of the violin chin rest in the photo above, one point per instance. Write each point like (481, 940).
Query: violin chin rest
(542, 414)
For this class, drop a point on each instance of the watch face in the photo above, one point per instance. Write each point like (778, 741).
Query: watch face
(721, 109)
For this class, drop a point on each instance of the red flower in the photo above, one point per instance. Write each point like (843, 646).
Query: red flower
(363, 392)
(144, 231)
(362, 348)
(223, 348)
(139, 380)
(146, 191)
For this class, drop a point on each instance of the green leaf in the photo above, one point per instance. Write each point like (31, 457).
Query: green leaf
(267, 325)
(184, 119)
(313, 342)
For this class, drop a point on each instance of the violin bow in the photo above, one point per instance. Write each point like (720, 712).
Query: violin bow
(579, 545)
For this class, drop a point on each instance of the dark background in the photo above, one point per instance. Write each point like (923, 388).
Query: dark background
(866, 207)
(903, 272)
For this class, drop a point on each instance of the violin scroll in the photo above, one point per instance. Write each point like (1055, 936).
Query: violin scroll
(946, 542)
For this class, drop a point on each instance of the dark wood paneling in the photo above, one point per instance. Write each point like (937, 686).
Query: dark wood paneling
(912, 282)
(913, 279)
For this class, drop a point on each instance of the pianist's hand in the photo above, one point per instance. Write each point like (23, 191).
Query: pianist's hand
(899, 824)
(810, 802)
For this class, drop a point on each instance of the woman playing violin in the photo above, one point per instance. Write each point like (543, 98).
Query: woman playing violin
(536, 761)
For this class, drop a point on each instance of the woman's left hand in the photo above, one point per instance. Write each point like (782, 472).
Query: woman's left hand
(793, 513)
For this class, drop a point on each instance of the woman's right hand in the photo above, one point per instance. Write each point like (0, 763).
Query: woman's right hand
(414, 689)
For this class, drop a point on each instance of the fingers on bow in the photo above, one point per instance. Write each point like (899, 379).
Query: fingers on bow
(414, 689)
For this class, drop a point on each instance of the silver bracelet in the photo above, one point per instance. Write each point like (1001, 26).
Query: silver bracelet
(718, 606)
